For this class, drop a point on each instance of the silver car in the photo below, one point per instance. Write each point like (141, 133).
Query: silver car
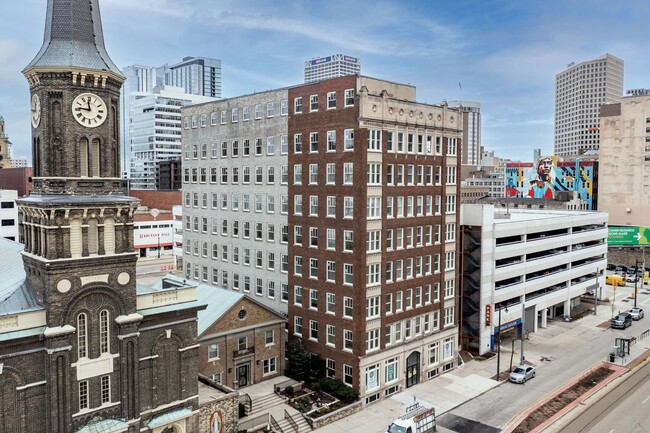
(522, 373)
(636, 313)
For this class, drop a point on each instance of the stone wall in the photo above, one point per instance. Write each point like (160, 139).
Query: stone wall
(626, 255)
(335, 416)
(228, 405)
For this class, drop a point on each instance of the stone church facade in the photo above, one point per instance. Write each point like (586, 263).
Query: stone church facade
(82, 347)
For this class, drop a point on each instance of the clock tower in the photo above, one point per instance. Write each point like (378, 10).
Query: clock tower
(77, 224)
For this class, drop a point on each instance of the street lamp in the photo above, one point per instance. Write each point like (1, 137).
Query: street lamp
(636, 278)
(158, 246)
(499, 344)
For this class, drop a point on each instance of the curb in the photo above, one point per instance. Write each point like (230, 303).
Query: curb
(517, 419)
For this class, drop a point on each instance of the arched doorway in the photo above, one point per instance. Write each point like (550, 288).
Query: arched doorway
(413, 369)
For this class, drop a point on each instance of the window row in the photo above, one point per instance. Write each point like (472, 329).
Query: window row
(344, 273)
(84, 392)
(330, 102)
(233, 114)
(344, 339)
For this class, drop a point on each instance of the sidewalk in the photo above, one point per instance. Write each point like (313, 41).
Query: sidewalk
(474, 378)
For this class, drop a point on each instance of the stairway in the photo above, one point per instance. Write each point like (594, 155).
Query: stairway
(303, 425)
(261, 404)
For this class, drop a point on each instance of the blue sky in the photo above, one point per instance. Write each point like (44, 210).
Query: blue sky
(505, 53)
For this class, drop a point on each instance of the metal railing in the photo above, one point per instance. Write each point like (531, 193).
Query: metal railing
(247, 401)
(260, 421)
(274, 425)
(289, 418)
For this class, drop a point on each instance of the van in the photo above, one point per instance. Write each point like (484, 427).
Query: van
(615, 280)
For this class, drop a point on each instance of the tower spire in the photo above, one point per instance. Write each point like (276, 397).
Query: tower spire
(73, 37)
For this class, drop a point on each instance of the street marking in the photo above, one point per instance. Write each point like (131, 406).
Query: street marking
(646, 399)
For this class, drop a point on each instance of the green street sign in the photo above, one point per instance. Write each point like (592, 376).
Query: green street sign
(628, 235)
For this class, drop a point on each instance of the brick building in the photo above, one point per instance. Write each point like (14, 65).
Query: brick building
(365, 231)
(242, 340)
(82, 349)
(19, 179)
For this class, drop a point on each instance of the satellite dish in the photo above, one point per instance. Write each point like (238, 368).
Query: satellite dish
(154, 213)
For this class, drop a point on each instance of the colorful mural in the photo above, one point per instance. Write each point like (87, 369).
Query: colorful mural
(547, 176)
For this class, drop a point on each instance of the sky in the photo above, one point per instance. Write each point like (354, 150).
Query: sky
(503, 54)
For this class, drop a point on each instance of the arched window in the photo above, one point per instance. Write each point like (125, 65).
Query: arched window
(82, 335)
(75, 237)
(104, 331)
(93, 237)
(109, 235)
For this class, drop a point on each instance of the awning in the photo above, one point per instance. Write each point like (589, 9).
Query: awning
(105, 426)
(169, 417)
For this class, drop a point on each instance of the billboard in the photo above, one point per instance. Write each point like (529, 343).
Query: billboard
(628, 235)
(546, 177)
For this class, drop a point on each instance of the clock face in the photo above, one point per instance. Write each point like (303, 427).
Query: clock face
(36, 110)
(89, 110)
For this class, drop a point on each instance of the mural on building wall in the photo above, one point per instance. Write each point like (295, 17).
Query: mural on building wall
(547, 176)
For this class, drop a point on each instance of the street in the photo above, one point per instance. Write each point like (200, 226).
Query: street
(564, 351)
(623, 410)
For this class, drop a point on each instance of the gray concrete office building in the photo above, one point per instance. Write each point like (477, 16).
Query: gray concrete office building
(235, 201)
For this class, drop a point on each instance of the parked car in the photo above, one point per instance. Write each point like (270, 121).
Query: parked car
(622, 321)
(631, 278)
(522, 373)
(611, 267)
(637, 313)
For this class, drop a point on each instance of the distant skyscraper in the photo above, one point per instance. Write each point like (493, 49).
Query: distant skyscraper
(336, 65)
(154, 131)
(471, 151)
(197, 75)
(580, 90)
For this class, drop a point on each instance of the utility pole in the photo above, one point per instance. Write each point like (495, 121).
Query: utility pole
(498, 335)
(523, 329)
(636, 279)
(596, 291)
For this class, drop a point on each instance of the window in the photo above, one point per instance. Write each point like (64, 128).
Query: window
(104, 330)
(331, 100)
(347, 307)
(297, 295)
(297, 174)
(297, 105)
(374, 174)
(450, 288)
(82, 335)
(297, 205)
(372, 307)
(313, 237)
(83, 395)
(450, 205)
(391, 370)
(235, 115)
(451, 175)
(331, 206)
(331, 141)
(448, 348)
(330, 368)
(105, 389)
(331, 173)
(313, 268)
(348, 207)
(331, 239)
(331, 335)
(270, 145)
(284, 107)
(297, 143)
(347, 340)
(349, 97)
(451, 146)
(374, 140)
(434, 351)
(331, 303)
(373, 210)
(297, 325)
(449, 316)
(348, 139)
(213, 351)
(270, 366)
(347, 374)
(313, 330)
(258, 111)
(313, 205)
(313, 142)
(347, 173)
(348, 274)
(313, 174)
(284, 144)
(373, 241)
(372, 274)
(297, 265)
(372, 340)
(246, 114)
(331, 271)
(258, 146)
(450, 260)
(450, 232)
(269, 337)
(348, 240)
(313, 103)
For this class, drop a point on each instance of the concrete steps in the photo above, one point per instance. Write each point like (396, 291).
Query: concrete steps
(261, 404)
(301, 422)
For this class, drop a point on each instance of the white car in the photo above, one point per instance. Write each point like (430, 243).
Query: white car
(631, 278)
(522, 373)
(637, 313)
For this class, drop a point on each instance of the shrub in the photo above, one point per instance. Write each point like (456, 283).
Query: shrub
(338, 389)
(288, 391)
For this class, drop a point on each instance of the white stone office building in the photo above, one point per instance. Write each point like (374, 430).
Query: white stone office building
(580, 90)
(8, 214)
(332, 66)
(471, 150)
(155, 131)
(542, 259)
(235, 201)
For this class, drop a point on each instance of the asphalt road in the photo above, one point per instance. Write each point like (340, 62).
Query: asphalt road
(625, 409)
(494, 409)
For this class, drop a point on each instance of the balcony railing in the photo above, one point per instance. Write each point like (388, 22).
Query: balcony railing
(245, 352)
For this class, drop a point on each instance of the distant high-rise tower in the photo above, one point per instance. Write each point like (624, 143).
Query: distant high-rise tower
(471, 151)
(197, 75)
(336, 65)
(580, 90)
